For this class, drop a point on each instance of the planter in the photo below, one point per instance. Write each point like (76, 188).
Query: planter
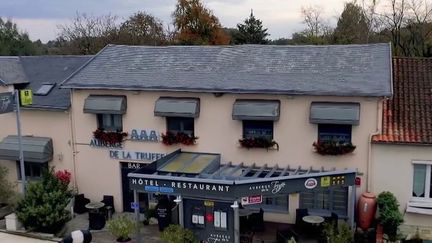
(129, 240)
(333, 148)
(110, 138)
(169, 138)
(12, 222)
(258, 143)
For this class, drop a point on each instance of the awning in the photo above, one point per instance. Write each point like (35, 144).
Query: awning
(177, 107)
(105, 104)
(334, 113)
(36, 149)
(264, 110)
(209, 178)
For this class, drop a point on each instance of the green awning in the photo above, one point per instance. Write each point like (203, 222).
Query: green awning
(334, 113)
(105, 104)
(35, 149)
(263, 110)
(177, 107)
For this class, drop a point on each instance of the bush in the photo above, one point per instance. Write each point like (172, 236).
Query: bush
(121, 227)
(341, 234)
(176, 234)
(6, 188)
(43, 207)
(389, 214)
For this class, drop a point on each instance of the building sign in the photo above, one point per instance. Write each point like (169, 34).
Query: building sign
(179, 187)
(26, 97)
(325, 181)
(236, 189)
(136, 156)
(146, 135)
(257, 199)
(311, 183)
(6, 102)
(101, 144)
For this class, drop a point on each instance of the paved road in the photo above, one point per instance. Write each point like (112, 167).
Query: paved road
(10, 238)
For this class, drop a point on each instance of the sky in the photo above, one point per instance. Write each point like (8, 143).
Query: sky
(41, 18)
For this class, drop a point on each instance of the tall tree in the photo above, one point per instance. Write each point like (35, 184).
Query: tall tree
(196, 25)
(12, 41)
(87, 34)
(316, 32)
(352, 25)
(142, 29)
(251, 31)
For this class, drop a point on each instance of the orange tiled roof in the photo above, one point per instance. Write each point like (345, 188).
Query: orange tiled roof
(407, 117)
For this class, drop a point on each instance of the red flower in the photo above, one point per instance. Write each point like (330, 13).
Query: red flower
(169, 138)
(111, 138)
(64, 176)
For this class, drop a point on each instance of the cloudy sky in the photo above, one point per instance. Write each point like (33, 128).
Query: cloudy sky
(40, 18)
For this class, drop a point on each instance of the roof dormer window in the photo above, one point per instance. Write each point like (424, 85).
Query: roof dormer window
(44, 89)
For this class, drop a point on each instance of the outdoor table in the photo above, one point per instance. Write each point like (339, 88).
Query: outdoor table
(96, 216)
(313, 219)
(94, 206)
(247, 212)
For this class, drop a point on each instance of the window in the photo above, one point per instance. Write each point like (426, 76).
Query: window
(33, 171)
(326, 201)
(110, 122)
(255, 129)
(273, 204)
(334, 132)
(44, 89)
(180, 124)
(422, 181)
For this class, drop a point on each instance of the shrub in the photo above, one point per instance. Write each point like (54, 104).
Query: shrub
(176, 234)
(341, 234)
(6, 188)
(389, 214)
(121, 228)
(43, 207)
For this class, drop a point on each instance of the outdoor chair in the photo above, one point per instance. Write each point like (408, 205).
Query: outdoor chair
(80, 202)
(108, 209)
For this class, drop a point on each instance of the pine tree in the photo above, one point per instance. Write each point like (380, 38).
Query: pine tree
(251, 31)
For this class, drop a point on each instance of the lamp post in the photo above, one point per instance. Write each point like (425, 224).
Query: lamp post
(179, 202)
(235, 207)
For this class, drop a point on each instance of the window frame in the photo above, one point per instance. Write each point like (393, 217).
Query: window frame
(427, 182)
(40, 93)
(330, 201)
(334, 127)
(255, 123)
(100, 121)
(30, 165)
(182, 125)
(273, 207)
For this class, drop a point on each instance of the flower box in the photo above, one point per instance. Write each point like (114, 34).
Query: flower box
(258, 142)
(170, 138)
(333, 147)
(110, 138)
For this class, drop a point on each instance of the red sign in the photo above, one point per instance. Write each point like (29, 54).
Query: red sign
(257, 199)
(358, 181)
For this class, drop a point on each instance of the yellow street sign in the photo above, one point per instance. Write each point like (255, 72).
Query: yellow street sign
(26, 97)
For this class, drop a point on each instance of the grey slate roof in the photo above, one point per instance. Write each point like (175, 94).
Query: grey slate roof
(51, 69)
(11, 71)
(341, 70)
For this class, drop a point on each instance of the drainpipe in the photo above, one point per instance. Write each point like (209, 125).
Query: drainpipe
(369, 156)
(73, 142)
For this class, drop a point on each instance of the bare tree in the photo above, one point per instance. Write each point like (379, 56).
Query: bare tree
(87, 34)
(313, 20)
(393, 20)
(418, 26)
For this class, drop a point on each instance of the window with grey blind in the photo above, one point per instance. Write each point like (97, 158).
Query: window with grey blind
(110, 122)
(422, 181)
(326, 201)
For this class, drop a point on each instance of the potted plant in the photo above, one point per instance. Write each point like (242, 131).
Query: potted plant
(338, 234)
(109, 137)
(170, 138)
(258, 142)
(121, 228)
(389, 215)
(333, 147)
(176, 234)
